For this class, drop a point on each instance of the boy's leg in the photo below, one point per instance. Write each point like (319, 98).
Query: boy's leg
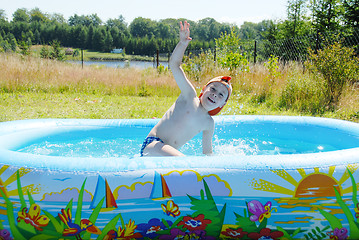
(157, 148)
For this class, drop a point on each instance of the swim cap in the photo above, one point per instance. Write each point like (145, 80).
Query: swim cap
(225, 81)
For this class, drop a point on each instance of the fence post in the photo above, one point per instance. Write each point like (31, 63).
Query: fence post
(317, 43)
(158, 58)
(82, 58)
(215, 54)
(168, 61)
(255, 51)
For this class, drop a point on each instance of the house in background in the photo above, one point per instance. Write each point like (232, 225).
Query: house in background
(117, 50)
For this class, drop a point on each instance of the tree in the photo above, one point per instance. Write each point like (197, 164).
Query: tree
(57, 52)
(326, 15)
(19, 28)
(229, 54)
(37, 16)
(98, 40)
(90, 36)
(248, 30)
(24, 48)
(108, 46)
(201, 31)
(85, 20)
(4, 24)
(57, 18)
(117, 22)
(116, 37)
(2, 15)
(141, 27)
(12, 41)
(351, 13)
(163, 31)
(95, 20)
(78, 36)
(21, 15)
(296, 17)
(37, 37)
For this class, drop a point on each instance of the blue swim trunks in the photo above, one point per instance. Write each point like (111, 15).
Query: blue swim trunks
(147, 141)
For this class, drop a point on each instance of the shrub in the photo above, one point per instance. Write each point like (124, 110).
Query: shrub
(199, 67)
(54, 53)
(272, 67)
(338, 66)
(229, 53)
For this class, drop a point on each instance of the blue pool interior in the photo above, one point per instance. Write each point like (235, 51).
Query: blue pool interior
(231, 138)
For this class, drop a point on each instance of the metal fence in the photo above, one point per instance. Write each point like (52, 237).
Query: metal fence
(290, 49)
(297, 49)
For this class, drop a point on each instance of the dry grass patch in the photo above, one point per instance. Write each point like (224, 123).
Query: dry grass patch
(31, 74)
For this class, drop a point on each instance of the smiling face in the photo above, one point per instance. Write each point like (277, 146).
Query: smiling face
(214, 95)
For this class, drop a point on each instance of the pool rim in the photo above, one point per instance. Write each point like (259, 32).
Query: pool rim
(258, 162)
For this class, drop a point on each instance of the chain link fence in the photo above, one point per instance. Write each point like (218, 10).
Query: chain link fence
(290, 49)
(297, 49)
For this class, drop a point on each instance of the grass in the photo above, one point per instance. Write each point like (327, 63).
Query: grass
(32, 105)
(32, 88)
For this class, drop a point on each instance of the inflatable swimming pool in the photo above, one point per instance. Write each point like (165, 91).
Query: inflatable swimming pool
(270, 176)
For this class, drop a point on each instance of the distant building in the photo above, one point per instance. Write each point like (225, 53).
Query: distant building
(117, 50)
(69, 51)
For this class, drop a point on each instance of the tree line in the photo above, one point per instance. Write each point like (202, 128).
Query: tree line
(144, 36)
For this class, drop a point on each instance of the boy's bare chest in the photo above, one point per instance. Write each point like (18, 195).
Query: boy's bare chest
(189, 116)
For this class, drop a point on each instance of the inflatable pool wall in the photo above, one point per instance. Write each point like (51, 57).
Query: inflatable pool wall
(277, 196)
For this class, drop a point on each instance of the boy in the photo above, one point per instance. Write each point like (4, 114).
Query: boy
(190, 114)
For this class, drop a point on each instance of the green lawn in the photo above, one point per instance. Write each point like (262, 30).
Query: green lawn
(70, 105)
(29, 105)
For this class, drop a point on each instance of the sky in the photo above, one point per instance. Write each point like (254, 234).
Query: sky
(224, 11)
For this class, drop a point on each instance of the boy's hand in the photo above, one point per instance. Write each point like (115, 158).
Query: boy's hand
(184, 32)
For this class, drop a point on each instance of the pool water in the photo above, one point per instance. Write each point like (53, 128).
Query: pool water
(243, 140)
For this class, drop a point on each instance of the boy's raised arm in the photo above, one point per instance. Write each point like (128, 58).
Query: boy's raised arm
(176, 60)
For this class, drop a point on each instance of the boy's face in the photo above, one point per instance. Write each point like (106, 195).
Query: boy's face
(214, 96)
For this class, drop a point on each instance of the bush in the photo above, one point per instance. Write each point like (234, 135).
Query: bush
(199, 67)
(54, 53)
(273, 69)
(229, 54)
(338, 66)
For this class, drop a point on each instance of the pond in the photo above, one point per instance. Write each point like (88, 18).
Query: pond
(122, 64)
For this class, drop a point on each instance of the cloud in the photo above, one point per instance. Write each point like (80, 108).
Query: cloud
(190, 182)
(66, 195)
(136, 190)
(179, 183)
